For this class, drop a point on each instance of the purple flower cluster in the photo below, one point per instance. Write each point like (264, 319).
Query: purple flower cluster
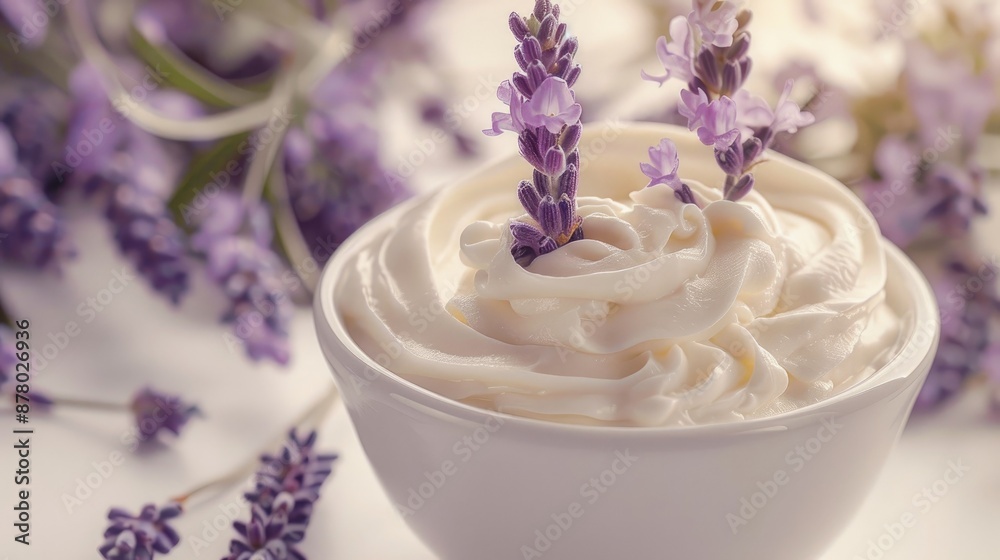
(236, 241)
(927, 176)
(140, 537)
(967, 295)
(136, 172)
(543, 112)
(32, 232)
(709, 51)
(286, 489)
(155, 412)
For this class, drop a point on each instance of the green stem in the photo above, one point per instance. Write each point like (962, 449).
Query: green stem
(310, 419)
(103, 406)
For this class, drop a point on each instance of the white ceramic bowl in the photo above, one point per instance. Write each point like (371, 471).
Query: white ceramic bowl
(479, 485)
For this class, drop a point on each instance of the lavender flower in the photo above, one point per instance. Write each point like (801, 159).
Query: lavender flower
(140, 538)
(286, 488)
(968, 298)
(32, 232)
(268, 536)
(928, 171)
(709, 50)
(32, 113)
(236, 241)
(142, 226)
(335, 178)
(155, 412)
(136, 173)
(543, 112)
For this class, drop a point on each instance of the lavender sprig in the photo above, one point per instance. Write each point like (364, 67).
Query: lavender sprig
(156, 412)
(543, 112)
(136, 172)
(927, 173)
(709, 50)
(967, 328)
(32, 231)
(131, 537)
(236, 242)
(287, 486)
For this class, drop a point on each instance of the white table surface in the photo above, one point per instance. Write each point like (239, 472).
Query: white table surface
(139, 340)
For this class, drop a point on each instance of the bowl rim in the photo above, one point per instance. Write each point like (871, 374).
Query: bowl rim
(910, 358)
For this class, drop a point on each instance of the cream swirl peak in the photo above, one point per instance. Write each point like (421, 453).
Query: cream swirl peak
(665, 314)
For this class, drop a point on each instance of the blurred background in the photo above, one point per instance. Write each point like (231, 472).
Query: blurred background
(175, 173)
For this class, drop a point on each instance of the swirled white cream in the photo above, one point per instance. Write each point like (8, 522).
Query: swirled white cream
(666, 314)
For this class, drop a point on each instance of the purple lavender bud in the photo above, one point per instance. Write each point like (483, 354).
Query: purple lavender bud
(531, 48)
(528, 195)
(536, 75)
(752, 149)
(155, 412)
(528, 146)
(542, 9)
(523, 84)
(31, 227)
(569, 182)
(517, 26)
(740, 48)
(139, 538)
(250, 275)
(685, 195)
(549, 216)
(561, 31)
(297, 473)
(555, 162)
(741, 188)
(707, 69)
(571, 137)
(731, 159)
(732, 78)
(572, 75)
(546, 30)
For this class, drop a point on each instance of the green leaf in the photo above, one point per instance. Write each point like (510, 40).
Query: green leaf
(190, 77)
(199, 175)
